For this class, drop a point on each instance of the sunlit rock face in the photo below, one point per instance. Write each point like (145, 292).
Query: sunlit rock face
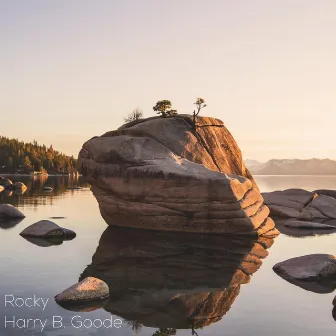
(173, 280)
(160, 174)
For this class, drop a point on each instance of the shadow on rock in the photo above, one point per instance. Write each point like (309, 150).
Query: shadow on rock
(173, 280)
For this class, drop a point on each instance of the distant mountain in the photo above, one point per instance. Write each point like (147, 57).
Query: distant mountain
(295, 167)
(252, 164)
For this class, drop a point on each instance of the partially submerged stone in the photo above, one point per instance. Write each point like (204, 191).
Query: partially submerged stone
(89, 289)
(309, 225)
(47, 229)
(300, 204)
(9, 211)
(313, 267)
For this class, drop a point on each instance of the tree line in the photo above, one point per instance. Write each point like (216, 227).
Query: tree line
(24, 157)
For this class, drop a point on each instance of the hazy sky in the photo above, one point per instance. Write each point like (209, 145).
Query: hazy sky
(72, 69)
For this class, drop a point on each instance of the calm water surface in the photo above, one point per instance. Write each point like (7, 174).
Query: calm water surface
(267, 305)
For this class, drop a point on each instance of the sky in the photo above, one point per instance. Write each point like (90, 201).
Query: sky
(73, 69)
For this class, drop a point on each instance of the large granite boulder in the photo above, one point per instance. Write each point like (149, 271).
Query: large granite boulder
(174, 280)
(314, 272)
(161, 174)
(300, 204)
(8, 211)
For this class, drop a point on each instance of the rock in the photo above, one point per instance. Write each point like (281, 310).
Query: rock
(319, 268)
(300, 204)
(88, 289)
(19, 186)
(309, 225)
(9, 211)
(48, 188)
(160, 174)
(334, 302)
(6, 183)
(326, 192)
(47, 229)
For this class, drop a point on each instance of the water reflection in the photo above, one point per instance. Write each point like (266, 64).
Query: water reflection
(9, 223)
(47, 242)
(302, 233)
(173, 281)
(35, 194)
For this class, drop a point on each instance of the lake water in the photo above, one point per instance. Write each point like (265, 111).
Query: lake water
(160, 285)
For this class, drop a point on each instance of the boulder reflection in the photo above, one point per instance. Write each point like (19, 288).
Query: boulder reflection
(169, 280)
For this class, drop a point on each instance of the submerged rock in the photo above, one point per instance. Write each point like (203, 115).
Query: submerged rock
(309, 225)
(9, 211)
(47, 229)
(314, 267)
(88, 289)
(300, 204)
(161, 174)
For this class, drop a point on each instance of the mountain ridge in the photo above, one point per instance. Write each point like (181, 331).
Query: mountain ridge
(312, 166)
